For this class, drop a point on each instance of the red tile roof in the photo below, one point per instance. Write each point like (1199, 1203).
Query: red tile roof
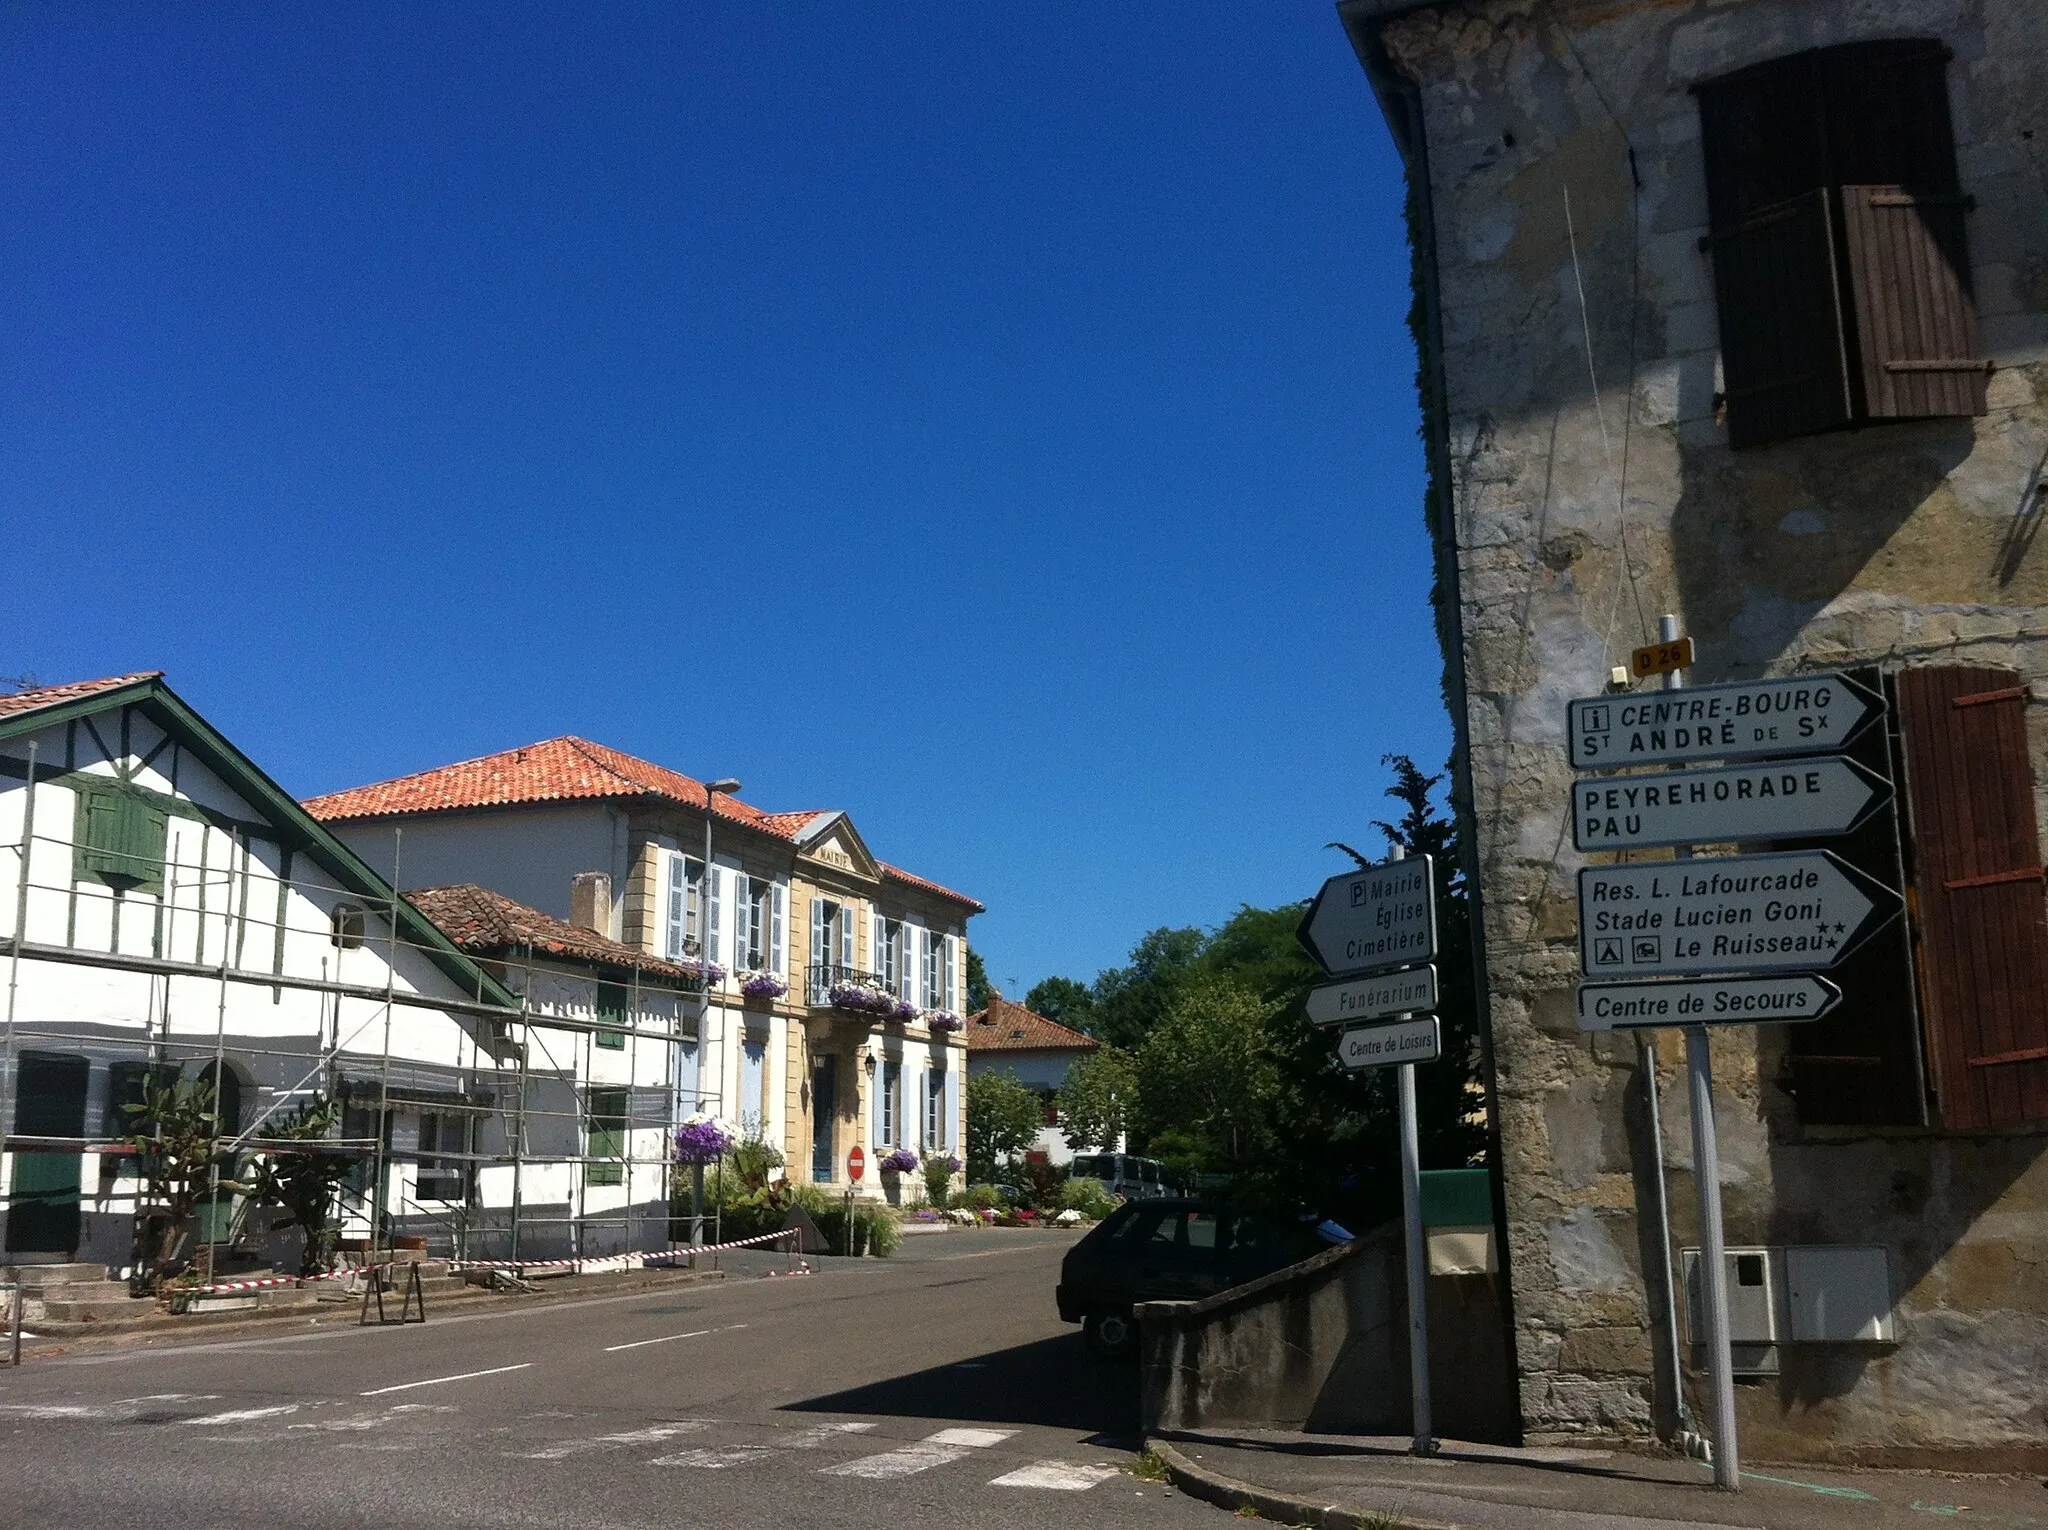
(1007, 1027)
(558, 770)
(53, 695)
(486, 923)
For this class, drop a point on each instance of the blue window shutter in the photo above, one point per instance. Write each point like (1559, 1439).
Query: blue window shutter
(817, 935)
(778, 901)
(847, 958)
(711, 928)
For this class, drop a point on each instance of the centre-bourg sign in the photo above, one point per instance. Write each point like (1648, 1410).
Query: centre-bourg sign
(1753, 719)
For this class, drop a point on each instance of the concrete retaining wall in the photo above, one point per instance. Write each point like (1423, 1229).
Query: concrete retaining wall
(1323, 1346)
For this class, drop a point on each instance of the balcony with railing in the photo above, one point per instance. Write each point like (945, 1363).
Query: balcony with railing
(853, 991)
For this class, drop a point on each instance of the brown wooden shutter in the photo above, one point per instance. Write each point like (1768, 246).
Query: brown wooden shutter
(1977, 880)
(1784, 360)
(1916, 322)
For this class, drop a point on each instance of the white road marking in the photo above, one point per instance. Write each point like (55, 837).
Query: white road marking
(46, 1411)
(716, 1458)
(435, 1381)
(933, 1450)
(1064, 1476)
(366, 1421)
(649, 1436)
(612, 1349)
(243, 1415)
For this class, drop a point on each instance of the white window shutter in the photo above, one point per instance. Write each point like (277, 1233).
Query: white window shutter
(711, 929)
(778, 902)
(678, 907)
(744, 933)
(952, 972)
(817, 936)
(847, 956)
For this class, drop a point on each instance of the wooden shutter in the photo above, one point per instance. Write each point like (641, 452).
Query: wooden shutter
(1977, 879)
(1916, 321)
(817, 940)
(778, 906)
(1784, 356)
(712, 881)
(746, 934)
(847, 949)
(678, 906)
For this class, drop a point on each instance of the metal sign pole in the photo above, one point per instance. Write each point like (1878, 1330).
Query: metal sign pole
(1424, 1442)
(1706, 1163)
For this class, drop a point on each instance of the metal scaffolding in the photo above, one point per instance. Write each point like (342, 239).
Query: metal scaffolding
(551, 1133)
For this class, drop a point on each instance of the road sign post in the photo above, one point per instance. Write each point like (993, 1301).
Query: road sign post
(1423, 1435)
(1706, 1160)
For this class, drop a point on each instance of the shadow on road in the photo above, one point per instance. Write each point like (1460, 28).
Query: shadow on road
(1054, 1382)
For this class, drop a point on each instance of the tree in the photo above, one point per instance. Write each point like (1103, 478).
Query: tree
(1062, 999)
(979, 989)
(1209, 1074)
(1129, 1001)
(1002, 1119)
(303, 1181)
(1097, 1098)
(175, 1134)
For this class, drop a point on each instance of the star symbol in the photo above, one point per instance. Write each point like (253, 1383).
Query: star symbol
(1821, 928)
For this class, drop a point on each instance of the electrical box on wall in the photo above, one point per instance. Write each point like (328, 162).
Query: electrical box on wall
(1801, 1294)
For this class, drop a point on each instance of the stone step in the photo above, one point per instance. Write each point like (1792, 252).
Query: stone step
(90, 1312)
(78, 1291)
(37, 1277)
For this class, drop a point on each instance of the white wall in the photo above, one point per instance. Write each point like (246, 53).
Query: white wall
(530, 854)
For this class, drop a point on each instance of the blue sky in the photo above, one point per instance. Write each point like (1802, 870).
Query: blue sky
(996, 422)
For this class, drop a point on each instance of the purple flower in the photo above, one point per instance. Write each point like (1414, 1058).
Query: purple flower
(942, 1020)
(898, 1161)
(764, 985)
(858, 998)
(902, 1009)
(952, 1164)
(702, 1139)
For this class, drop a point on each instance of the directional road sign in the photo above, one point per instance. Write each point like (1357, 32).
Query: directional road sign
(1795, 799)
(1364, 921)
(1705, 1001)
(1373, 998)
(1807, 714)
(1381, 1046)
(1795, 910)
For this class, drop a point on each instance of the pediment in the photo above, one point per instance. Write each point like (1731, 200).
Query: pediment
(832, 840)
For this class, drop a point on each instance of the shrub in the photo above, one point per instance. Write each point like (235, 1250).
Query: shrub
(1041, 1182)
(984, 1198)
(875, 1232)
(1087, 1197)
(938, 1179)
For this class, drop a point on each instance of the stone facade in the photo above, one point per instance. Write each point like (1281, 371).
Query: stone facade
(1585, 485)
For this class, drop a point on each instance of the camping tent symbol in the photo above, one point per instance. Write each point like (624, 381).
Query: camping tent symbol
(1607, 953)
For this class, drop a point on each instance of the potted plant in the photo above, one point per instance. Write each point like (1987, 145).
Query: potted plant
(939, 1021)
(763, 986)
(938, 1179)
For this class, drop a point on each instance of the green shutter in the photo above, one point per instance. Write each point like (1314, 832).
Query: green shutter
(611, 1010)
(118, 837)
(607, 1137)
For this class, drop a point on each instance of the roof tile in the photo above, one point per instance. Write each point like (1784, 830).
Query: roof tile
(1008, 1027)
(55, 695)
(483, 922)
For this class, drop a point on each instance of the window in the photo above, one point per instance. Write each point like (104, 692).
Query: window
(754, 1084)
(891, 1102)
(889, 954)
(934, 959)
(1841, 266)
(832, 945)
(685, 885)
(611, 1010)
(934, 1109)
(345, 927)
(444, 1147)
(606, 1137)
(118, 837)
(757, 941)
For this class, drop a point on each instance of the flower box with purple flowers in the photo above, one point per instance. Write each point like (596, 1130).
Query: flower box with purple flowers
(898, 1161)
(942, 1020)
(702, 1139)
(763, 985)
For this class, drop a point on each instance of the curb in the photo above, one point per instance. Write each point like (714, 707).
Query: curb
(1229, 1493)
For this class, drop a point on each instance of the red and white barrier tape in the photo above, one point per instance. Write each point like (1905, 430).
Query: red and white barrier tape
(622, 1261)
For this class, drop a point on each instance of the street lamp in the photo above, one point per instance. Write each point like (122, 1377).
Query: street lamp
(729, 786)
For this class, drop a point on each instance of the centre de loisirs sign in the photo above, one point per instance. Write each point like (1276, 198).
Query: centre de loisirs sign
(1748, 720)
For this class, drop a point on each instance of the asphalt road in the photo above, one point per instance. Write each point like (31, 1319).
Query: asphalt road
(935, 1389)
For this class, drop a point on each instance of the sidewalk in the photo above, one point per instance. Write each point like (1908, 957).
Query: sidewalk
(1351, 1482)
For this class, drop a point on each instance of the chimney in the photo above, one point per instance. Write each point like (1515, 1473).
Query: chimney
(590, 901)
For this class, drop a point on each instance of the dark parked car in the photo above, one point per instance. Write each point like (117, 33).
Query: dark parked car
(1168, 1250)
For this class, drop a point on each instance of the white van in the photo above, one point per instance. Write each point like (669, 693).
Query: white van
(1135, 1179)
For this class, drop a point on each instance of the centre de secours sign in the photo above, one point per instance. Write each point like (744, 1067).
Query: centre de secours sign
(1705, 1001)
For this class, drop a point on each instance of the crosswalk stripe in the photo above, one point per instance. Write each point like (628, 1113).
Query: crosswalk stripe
(1062, 1476)
(933, 1450)
(649, 1436)
(716, 1458)
(244, 1415)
